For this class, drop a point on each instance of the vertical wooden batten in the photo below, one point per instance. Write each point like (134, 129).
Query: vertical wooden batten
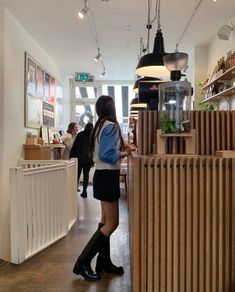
(215, 130)
(186, 210)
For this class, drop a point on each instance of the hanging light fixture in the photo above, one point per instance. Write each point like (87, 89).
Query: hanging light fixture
(136, 85)
(97, 57)
(152, 64)
(175, 63)
(134, 116)
(87, 9)
(135, 103)
(84, 10)
(135, 110)
(103, 73)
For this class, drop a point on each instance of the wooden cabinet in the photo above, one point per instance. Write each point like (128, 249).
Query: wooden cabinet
(227, 92)
(43, 152)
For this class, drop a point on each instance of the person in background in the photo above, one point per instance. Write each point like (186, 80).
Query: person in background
(80, 149)
(108, 148)
(68, 139)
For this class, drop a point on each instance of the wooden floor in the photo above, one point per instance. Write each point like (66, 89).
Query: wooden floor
(51, 270)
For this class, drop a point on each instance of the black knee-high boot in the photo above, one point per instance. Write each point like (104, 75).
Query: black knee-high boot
(82, 266)
(104, 263)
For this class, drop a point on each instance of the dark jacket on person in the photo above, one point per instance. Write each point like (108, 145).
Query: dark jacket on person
(80, 148)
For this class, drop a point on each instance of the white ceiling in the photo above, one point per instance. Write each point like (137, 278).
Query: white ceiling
(119, 24)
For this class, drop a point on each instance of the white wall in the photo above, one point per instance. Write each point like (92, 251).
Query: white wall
(14, 42)
(67, 109)
(219, 48)
(216, 50)
(200, 69)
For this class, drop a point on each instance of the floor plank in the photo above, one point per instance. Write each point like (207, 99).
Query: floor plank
(51, 270)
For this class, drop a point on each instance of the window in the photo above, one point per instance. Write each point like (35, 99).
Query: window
(122, 95)
(85, 92)
(84, 98)
(85, 113)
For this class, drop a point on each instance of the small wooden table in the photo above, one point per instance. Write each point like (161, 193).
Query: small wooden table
(190, 146)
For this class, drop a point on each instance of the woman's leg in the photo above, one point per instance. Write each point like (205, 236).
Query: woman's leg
(79, 174)
(110, 213)
(86, 170)
(82, 266)
(108, 223)
(102, 219)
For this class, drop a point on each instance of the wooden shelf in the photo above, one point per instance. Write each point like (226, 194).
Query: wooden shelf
(220, 95)
(189, 139)
(228, 75)
(176, 135)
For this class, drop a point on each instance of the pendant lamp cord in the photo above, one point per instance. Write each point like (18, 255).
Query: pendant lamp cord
(187, 25)
(151, 21)
(158, 15)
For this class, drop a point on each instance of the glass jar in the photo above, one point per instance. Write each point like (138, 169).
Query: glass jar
(175, 100)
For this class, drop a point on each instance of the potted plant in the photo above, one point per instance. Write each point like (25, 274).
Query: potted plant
(208, 106)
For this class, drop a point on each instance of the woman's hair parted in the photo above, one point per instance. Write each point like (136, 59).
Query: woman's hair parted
(105, 109)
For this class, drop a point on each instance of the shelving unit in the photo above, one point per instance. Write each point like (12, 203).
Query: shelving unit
(228, 75)
(225, 93)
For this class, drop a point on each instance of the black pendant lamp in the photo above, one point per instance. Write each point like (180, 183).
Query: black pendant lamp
(135, 103)
(136, 85)
(152, 64)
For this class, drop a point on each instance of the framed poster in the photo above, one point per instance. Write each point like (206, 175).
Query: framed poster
(48, 115)
(52, 89)
(39, 81)
(40, 95)
(46, 90)
(59, 93)
(33, 117)
(30, 76)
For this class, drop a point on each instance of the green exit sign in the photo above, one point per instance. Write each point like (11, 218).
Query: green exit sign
(81, 77)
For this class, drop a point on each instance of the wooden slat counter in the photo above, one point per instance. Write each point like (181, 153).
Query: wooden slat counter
(182, 224)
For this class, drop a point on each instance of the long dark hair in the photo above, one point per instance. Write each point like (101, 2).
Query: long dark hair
(105, 109)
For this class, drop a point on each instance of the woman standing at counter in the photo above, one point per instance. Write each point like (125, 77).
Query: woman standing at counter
(69, 138)
(106, 142)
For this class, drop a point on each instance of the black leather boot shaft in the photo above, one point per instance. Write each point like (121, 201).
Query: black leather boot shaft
(82, 266)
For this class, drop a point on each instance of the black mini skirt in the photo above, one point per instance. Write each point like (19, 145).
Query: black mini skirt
(106, 185)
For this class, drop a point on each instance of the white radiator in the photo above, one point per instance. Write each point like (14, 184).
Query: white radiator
(43, 205)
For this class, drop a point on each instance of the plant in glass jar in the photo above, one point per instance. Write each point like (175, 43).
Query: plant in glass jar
(167, 125)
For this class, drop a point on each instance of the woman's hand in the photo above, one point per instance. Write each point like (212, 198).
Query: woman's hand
(126, 151)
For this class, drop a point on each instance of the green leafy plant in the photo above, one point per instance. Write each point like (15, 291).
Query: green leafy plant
(167, 125)
(201, 85)
(206, 106)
